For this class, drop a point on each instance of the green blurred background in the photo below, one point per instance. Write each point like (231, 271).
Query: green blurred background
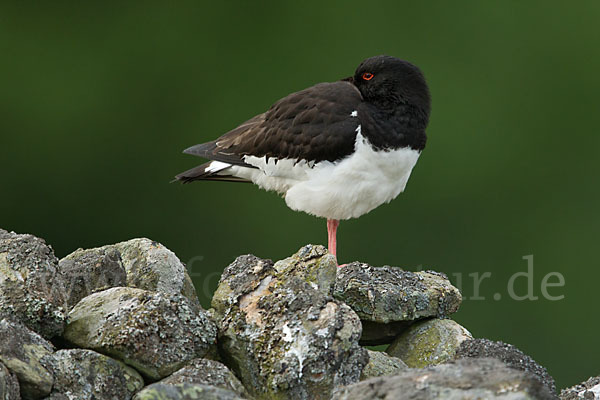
(98, 100)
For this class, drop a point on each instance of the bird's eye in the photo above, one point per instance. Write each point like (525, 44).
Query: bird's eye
(367, 76)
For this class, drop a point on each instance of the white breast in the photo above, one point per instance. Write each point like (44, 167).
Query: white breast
(343, 189)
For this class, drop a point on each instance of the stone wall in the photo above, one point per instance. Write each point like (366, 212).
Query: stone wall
(123, 322)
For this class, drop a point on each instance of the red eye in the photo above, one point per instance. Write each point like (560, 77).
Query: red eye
(367, 76)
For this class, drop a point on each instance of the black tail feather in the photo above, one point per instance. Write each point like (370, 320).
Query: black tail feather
(199, 174)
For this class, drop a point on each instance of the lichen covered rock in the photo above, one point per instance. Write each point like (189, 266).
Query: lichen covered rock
(154, 332)
(86, 375)
(90, 271)
(185, 391)
(9, 385)
(207, 372)
(31, 287)
(139, 263)
(281, 332)
(588, 390)
(287, 330)
(381, 364)
(430, 342)
(508, 354)
(21, 351)
(151, 266)
(475, 378)
(388, 299)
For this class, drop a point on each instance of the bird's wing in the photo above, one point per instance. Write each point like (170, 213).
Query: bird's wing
(216, 152)
(315, 124)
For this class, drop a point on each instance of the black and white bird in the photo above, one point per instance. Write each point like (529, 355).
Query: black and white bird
(335, 150)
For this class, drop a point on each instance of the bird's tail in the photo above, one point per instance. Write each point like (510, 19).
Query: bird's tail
(210, 171)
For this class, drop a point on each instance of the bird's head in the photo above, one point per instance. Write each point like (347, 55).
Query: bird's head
(389, 83)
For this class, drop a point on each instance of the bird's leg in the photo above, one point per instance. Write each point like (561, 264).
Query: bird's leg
(332, 225)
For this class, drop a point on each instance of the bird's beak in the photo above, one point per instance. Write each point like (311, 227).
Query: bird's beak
(349, 79)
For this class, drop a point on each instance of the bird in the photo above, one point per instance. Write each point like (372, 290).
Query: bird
(336, 150)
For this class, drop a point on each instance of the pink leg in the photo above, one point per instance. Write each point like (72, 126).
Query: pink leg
(332, 225)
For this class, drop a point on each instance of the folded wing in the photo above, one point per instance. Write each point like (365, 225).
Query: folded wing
(315, 124)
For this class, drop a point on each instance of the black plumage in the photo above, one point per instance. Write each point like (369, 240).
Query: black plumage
(320, 123)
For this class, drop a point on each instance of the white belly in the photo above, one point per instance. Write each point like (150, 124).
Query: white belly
(343, 189)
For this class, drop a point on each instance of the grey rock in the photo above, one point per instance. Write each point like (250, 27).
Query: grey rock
(507, 353)
(21, 351)
(588, 390)
(474, 378)
(31, 287)
(139, 263)
(381, 364)
(90, 271)
(429, 342)
(154, 332)
(151, 266)
(57, 396)
(9, 385)
(86, 375)
(281, 332)
(185, 391)
(388, 299)
(207, 372)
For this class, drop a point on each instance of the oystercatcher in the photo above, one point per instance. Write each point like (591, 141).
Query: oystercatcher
(334, 150)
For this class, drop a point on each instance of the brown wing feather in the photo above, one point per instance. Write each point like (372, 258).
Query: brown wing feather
(216, 151)
(314, 124)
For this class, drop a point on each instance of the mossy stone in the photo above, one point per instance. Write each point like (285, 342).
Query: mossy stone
(429, 342)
